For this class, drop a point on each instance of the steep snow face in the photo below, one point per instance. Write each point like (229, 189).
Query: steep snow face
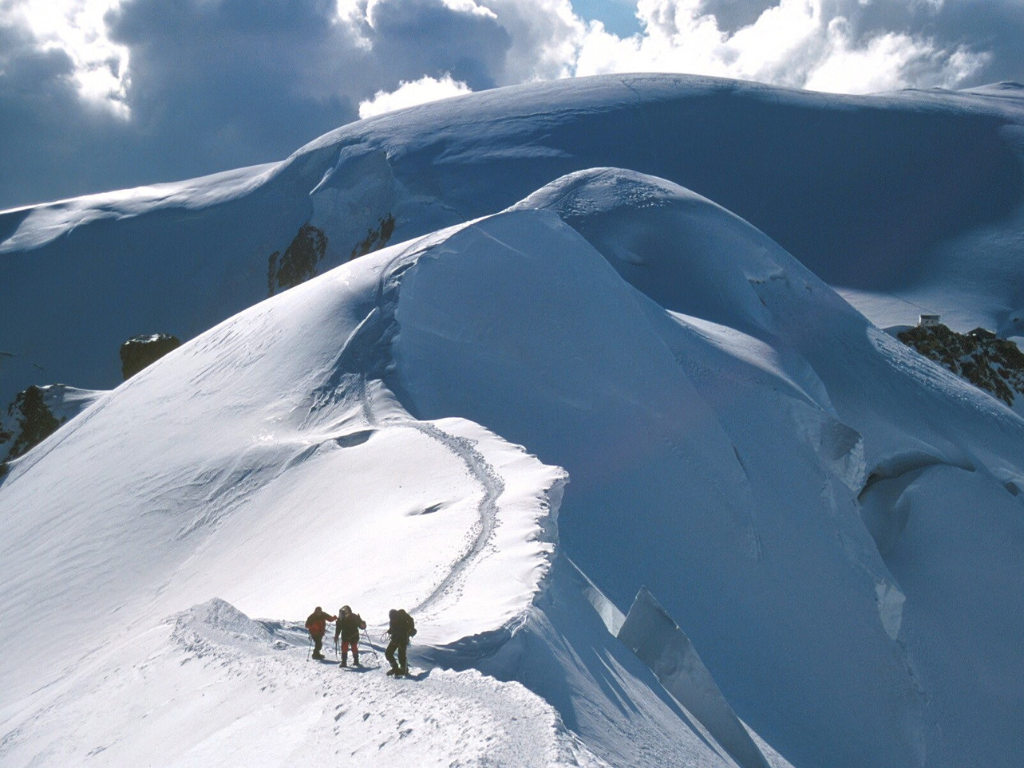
(911, 200)
(263, 463)
(667, 490)
(721, 432)
(563, 652)
(700, 261)
(958, 561)
(657, 640)
(267, 465)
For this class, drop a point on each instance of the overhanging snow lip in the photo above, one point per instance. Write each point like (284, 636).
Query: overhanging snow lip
(905, 462)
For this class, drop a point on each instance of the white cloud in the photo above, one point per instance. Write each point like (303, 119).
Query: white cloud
(470, 7)
(77, 28)
(409, 94)
(794, 43)
(887, 62)
(545, 38)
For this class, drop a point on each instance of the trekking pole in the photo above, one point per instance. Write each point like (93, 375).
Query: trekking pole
(309, 648)
(335, 648)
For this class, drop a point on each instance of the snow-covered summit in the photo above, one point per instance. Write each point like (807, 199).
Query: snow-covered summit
(739, 440)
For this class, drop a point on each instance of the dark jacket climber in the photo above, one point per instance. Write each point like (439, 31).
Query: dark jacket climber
(347, 629)
(316, 624)
(401, 628)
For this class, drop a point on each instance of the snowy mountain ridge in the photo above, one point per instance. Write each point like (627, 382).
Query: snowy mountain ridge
(929, 178)
(814, 507)
(500, 496)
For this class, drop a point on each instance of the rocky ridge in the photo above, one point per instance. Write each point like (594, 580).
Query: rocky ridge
(979, 356)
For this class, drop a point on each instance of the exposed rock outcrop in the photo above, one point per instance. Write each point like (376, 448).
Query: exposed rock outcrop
(299, 262)
(144, 350)
(5, 436)
(35, 414)
(375, 238)
(33, 420)
(990, 363)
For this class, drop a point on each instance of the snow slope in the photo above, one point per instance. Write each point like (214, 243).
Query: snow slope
(833, 522)
(245, 699)
(274, 419)
(266, 465)
(673, 430)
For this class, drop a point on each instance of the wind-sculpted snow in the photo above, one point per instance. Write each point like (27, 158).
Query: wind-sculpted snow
(267, 465)
(652, 634)
(393, 433)
(205, 476)
(669, 488)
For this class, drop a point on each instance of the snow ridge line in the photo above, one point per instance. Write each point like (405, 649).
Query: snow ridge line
(365, 356)
(478, 466)
(366, 352)
(482, 720)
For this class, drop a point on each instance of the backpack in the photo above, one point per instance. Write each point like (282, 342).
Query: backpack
(402, 625)
(409, 623)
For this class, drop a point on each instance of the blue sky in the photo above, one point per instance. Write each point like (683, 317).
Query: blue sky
(618, 16)
(103, 94)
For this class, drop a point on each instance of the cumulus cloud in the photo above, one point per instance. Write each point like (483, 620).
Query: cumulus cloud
(889, 61)
(410, 94)
(798, 43)
(76, 29)
(97, 94)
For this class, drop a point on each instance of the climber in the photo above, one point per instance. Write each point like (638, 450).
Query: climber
(401, 628)
(316, 624)
(347, 629)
